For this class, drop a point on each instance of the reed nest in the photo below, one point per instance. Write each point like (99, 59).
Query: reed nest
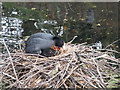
(77, 66)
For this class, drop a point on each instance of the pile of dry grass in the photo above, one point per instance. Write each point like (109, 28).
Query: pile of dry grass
(79, 65)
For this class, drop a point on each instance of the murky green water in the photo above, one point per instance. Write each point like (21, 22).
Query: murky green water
(91, 22)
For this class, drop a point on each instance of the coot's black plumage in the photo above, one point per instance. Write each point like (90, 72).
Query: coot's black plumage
(41, 43)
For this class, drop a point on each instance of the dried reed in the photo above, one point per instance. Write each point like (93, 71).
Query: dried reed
(77, 66)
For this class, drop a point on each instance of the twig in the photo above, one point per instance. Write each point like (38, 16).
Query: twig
(72, 40)
(49, 79)
(87, 81)
(66, 69)
(11, 63)
(34, 71)
(112, 43)
(66, 13)
(101, 78)
(9, 76)
(109, 50)
(63, 81)
(70, 7)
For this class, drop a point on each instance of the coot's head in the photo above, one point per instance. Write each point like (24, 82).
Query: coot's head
(58, 42)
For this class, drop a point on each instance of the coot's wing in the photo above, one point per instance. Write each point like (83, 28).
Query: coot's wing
(42, 35)
(34, 45)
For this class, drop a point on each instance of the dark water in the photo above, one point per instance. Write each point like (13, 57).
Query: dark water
(91, 22)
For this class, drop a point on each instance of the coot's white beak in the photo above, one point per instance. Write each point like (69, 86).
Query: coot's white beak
(64, 47)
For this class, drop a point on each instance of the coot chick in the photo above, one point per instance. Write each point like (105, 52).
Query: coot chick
(44, 44)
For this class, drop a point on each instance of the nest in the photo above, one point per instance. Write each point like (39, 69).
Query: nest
(77, 66)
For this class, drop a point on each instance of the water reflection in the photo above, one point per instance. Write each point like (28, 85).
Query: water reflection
(91, 22)
(90, 16)
(50, 26)
(11, 27)
(14, 30)
(11, 32)
(46, 26)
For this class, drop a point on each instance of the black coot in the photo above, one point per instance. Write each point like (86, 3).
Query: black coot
(44, 44)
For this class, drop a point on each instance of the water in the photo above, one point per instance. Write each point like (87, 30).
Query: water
(11, 32)
(66, 21)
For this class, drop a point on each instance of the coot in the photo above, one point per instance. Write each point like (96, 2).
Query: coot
(44, 44)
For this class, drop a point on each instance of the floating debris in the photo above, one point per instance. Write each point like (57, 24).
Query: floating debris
(98, 45)
(14, 13)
